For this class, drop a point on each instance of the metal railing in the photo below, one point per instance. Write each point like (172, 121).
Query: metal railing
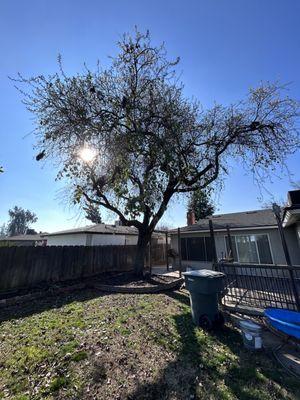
(260, 286)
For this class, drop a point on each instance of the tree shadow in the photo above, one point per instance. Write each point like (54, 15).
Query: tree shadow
(193, 376)
(182, 377)
(46, 297)
(47, 302)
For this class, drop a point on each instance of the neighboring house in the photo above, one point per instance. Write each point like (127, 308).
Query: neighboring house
(98, 235)
(21, 240)
(255, 237)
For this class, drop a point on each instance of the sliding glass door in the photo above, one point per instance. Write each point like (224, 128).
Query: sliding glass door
(251, 249)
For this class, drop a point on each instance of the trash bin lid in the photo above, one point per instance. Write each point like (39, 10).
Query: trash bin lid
(204, 273)
(249, 325)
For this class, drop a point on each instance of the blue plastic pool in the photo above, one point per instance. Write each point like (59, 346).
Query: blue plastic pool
(284, 320)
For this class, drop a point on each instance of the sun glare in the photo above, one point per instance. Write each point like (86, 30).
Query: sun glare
(87, 154)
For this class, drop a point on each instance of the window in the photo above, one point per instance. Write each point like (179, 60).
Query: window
(246, 248)
(264, 250)
(196, 249)
(234, 255)
(251, 249)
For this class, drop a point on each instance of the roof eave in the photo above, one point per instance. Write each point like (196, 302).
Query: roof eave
(291, 216)
(89, 232)
(241, 228)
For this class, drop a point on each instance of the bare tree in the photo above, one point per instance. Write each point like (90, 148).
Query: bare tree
(269, 204)
(129, 140)
(163, 227)
(296, 185)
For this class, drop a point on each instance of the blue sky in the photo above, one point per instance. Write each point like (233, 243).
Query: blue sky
(225, 48)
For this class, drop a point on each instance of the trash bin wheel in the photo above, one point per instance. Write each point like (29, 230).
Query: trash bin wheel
(205, 322)
(219, 320)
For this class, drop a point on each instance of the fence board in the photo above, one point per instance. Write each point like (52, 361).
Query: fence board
(26, 267)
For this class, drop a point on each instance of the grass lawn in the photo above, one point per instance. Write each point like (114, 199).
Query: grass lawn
(93, 346)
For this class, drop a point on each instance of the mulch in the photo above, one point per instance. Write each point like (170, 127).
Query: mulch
(112, 282)
(131, 280)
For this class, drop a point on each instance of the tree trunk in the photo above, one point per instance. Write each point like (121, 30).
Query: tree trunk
(139, 262)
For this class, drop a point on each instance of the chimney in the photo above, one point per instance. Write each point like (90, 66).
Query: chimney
(190, 218)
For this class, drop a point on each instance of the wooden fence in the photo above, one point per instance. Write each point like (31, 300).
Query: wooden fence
(158, 254)
(26, 267)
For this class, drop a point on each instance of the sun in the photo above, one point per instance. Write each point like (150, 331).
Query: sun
(87, 154)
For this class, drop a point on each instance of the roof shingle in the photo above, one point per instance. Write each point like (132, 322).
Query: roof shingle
(245, 219)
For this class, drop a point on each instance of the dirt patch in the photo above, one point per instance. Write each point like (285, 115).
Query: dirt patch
(131, 280)
(100, 282)
(131, 284)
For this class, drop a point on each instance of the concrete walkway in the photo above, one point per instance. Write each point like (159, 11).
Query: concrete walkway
(285, 351)
(162, 270)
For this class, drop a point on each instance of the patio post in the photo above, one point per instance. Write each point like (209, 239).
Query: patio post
(179, 251)
(229, 241)
(277, 213)
(167, 258)
(213, 243)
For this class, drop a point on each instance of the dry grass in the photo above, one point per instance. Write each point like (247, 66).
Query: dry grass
(93, 346)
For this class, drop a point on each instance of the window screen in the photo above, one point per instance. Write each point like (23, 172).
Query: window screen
(209, 248)
(197, 249)
(183, 249)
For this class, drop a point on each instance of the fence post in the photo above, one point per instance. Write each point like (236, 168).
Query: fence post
(277, 213)
(179, 251)
(212, 236)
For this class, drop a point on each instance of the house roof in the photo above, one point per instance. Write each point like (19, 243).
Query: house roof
(21, 238)
(98, 229)
(238, 220)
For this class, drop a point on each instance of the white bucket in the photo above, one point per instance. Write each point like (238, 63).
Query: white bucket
(251, 333)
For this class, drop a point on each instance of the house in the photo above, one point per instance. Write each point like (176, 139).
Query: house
(21, 240)
(291, 214)
(98, 235)
(254, 236)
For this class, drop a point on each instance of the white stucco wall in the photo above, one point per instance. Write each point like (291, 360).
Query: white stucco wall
(92, 239)
(104, 240)
(131, 240)
(78, 239)
(83, 239)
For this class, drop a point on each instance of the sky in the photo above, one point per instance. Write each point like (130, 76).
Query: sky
(225, 46)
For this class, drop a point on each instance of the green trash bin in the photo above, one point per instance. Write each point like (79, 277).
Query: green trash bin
(204, 287)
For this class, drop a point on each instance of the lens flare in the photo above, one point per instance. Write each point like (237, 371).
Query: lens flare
(87, 154)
